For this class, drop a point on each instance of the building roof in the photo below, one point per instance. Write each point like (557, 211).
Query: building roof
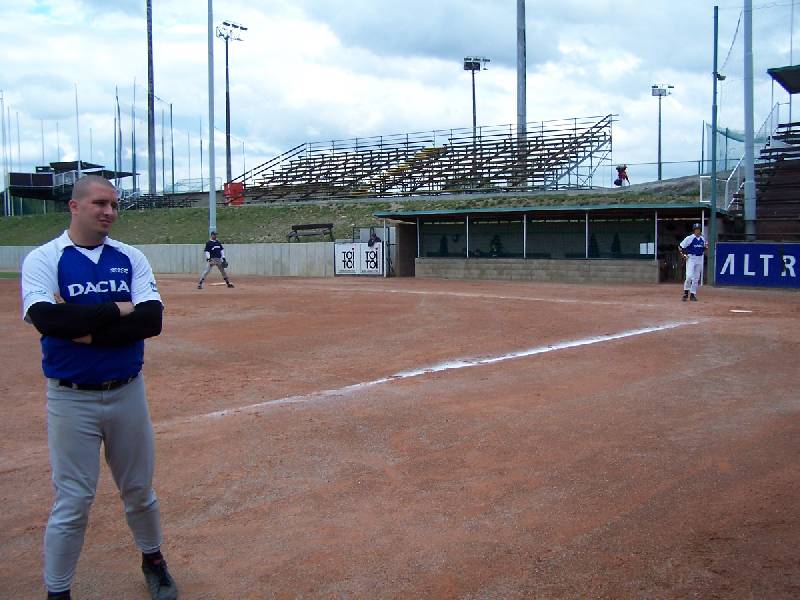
(563, 209)
(72, 165)
(788, 77)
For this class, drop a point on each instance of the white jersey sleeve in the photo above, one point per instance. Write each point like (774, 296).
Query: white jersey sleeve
(39, 278)
(143, 281)
(686, 241)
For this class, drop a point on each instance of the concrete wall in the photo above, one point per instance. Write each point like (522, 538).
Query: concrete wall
(11, 257)
(312, 259)
(561, 271)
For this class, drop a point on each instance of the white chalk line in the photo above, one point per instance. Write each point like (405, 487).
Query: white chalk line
(472, 295)
(436, 368)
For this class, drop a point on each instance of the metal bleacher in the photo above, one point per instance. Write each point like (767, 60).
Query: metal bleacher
(563, 154)
(777, 176)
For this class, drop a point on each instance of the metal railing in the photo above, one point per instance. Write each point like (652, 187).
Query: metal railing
(735, 180)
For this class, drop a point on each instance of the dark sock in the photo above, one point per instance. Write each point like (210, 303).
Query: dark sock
(65, 595)
(152, 558)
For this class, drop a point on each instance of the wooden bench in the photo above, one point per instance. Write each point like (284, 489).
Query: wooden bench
(299, 231)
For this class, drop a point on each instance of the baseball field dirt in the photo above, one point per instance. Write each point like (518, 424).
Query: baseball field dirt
(364, 438)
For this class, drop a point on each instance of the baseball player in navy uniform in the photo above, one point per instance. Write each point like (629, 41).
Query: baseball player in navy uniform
(692, 248)
(94, 300)
(215, 257)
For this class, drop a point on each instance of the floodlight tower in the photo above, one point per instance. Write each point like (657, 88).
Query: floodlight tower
(474, 63)
(228, 31)
(659, 91)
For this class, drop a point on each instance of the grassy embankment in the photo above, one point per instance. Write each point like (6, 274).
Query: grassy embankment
(271, 223)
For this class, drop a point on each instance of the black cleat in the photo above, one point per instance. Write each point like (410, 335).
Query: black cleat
(59, 596)
(685, 297)
(159, 582)
(230, 285)
(199, 286)
(693, 298)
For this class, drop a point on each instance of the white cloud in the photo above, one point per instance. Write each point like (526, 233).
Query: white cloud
(310, 70)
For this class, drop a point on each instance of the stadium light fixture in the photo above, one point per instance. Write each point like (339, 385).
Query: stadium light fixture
(659, 91)
(472, 64)
(228, 31)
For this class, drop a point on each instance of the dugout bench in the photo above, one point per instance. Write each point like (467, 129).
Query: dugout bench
(310, 229)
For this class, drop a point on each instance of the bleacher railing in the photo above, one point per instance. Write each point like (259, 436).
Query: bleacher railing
(555, 154)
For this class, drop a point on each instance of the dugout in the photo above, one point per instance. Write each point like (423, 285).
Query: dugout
(592, 243)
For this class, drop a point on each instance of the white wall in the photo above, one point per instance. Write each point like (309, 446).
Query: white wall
(312, 259)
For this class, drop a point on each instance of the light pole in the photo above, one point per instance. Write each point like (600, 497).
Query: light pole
(660, 91)
(152, 187)
(212, 189)
(472, 64)
(228, 31)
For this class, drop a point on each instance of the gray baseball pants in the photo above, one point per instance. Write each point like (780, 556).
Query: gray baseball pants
(77, 422)
(214, 262)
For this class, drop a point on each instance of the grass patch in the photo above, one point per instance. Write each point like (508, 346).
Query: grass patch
(9, 275)
(272, 223)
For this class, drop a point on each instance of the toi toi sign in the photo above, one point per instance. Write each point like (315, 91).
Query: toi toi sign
(758, 264)
(358, 258)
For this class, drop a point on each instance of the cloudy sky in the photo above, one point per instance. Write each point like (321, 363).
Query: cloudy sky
(311, 70)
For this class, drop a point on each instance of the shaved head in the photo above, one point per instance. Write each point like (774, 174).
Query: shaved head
(84, 184)
(94, 207)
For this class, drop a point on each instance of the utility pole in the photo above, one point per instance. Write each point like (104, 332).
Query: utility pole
(4, 159)
(163, 157)
(749, 149)
(78, 132)
(201, 156)
(19, 147)
(212, 188)
(151, 118)
(522, 86)
(712, 225)
(172, 149)
(133, 137)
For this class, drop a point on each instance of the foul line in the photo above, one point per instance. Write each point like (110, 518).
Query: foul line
(471, 295)
(437, 368)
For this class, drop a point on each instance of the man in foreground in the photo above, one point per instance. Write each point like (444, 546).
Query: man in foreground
(95, 301)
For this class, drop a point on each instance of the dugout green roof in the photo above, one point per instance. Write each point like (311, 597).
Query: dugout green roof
(674, 209)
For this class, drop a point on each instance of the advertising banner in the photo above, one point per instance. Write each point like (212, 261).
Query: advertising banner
(758, 264)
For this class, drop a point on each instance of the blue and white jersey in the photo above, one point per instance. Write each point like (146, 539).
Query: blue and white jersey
(693, 246)
(111, 272)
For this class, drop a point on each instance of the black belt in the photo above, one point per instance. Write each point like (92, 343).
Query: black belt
(97, 387)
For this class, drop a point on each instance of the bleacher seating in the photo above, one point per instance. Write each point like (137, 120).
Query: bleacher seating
(149, 201)
(778, 181)
(554, 155)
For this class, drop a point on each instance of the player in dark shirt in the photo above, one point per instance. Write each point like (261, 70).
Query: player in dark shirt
(215, 257)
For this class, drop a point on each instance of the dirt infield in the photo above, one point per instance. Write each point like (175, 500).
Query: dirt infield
(441, 439)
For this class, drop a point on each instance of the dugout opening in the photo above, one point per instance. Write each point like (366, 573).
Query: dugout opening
(635, 243)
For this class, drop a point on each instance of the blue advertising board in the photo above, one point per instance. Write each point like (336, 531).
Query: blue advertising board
(758, 264)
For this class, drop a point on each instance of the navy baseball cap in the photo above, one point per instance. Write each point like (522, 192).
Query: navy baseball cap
(697, 226)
